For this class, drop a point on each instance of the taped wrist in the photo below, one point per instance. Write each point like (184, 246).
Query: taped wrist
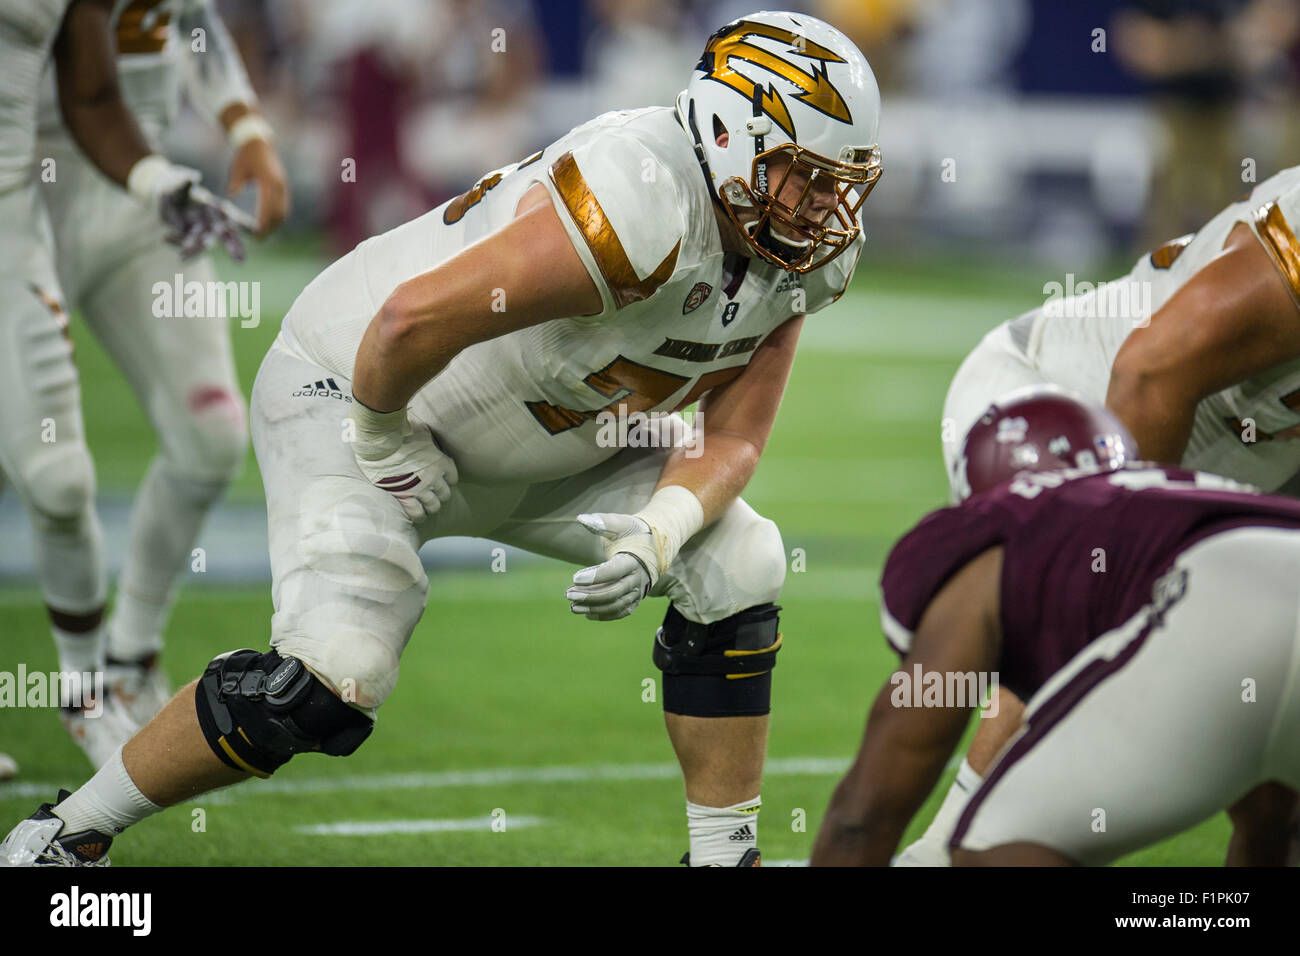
(248, 127)
(673, 514)
(377, 434)
(155, 176)
(722, 669)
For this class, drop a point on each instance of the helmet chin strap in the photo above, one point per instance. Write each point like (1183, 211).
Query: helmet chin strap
(699, 154)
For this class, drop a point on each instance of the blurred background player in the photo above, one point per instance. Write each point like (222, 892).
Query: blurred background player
(648, 259)
(42, 447)
(111, 253)
(1160, 692)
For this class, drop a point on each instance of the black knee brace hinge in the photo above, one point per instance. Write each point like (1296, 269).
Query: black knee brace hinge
(258, 710)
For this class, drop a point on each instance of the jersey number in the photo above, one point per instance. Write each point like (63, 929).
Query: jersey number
(637, 387)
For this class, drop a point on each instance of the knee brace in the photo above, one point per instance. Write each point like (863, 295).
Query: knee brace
(722, 669)
(258, 710)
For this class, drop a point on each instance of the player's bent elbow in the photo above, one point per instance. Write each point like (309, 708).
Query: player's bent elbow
(1136, 393)
(397, 320)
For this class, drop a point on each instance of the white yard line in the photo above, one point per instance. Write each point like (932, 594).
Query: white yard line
(381, 827)
(443, 779)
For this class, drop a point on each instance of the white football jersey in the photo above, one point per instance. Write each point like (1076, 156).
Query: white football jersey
(1239, 431)
(675, 322)
(27, 31)
(164, 46)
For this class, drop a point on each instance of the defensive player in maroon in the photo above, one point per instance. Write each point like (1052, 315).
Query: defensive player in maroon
(1149, 616)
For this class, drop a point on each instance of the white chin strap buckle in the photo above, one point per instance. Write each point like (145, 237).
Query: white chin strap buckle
(758, 126)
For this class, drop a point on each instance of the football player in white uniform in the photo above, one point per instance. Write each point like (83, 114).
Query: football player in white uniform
(1197, 350)
(42, 447)
(453, 376)
(111, 255)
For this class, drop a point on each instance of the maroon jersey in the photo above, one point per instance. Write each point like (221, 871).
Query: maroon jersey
(1081, 554)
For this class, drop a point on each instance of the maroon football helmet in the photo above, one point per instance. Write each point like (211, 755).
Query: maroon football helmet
(1040, 428)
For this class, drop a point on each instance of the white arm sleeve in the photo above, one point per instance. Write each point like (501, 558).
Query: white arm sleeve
(215, 78)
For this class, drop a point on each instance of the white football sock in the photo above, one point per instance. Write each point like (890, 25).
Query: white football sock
(945, 821)
(108, 802)
(79, 652)
(165, 520)
(721, 835)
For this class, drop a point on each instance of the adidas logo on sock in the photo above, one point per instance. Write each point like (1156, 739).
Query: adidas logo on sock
(322, 388)
(743, 835)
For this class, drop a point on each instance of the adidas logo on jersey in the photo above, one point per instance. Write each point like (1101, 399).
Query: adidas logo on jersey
(322, 388)
(791, 280)
(744, 835)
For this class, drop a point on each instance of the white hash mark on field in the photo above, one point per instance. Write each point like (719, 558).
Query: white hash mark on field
(380, 827)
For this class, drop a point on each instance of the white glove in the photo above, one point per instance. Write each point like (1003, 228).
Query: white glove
(638, 549)
(404, 461)
(195, 217)
(609, 591)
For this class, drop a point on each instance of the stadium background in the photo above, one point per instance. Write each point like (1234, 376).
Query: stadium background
(1021, 147)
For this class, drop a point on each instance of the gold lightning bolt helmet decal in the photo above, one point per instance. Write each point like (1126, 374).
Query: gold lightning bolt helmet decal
(815, 88)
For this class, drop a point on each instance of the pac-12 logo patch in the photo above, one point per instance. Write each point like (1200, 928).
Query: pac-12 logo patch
(696, 298)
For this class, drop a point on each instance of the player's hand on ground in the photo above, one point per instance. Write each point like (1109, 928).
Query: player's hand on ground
(609, 591)
(415, 471)
(257, 162)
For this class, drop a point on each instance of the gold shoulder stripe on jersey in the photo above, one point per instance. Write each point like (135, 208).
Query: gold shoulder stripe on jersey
(611, 258)
(815, 89)
(1281, 243)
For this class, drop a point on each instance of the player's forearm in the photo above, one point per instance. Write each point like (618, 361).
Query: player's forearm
(716, 470)
(89, 97)
(852, 837)
(396, 358)
(1159, 421)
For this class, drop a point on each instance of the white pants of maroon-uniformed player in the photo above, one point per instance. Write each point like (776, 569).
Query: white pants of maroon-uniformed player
(1152, 729)
(347, 583)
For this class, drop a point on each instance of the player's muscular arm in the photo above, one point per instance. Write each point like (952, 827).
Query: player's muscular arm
(89, 97)
(427, 320)
(736, 419)
(905, 749)
(1233, 319)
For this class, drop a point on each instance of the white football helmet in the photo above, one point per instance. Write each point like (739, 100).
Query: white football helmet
(793, 92)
